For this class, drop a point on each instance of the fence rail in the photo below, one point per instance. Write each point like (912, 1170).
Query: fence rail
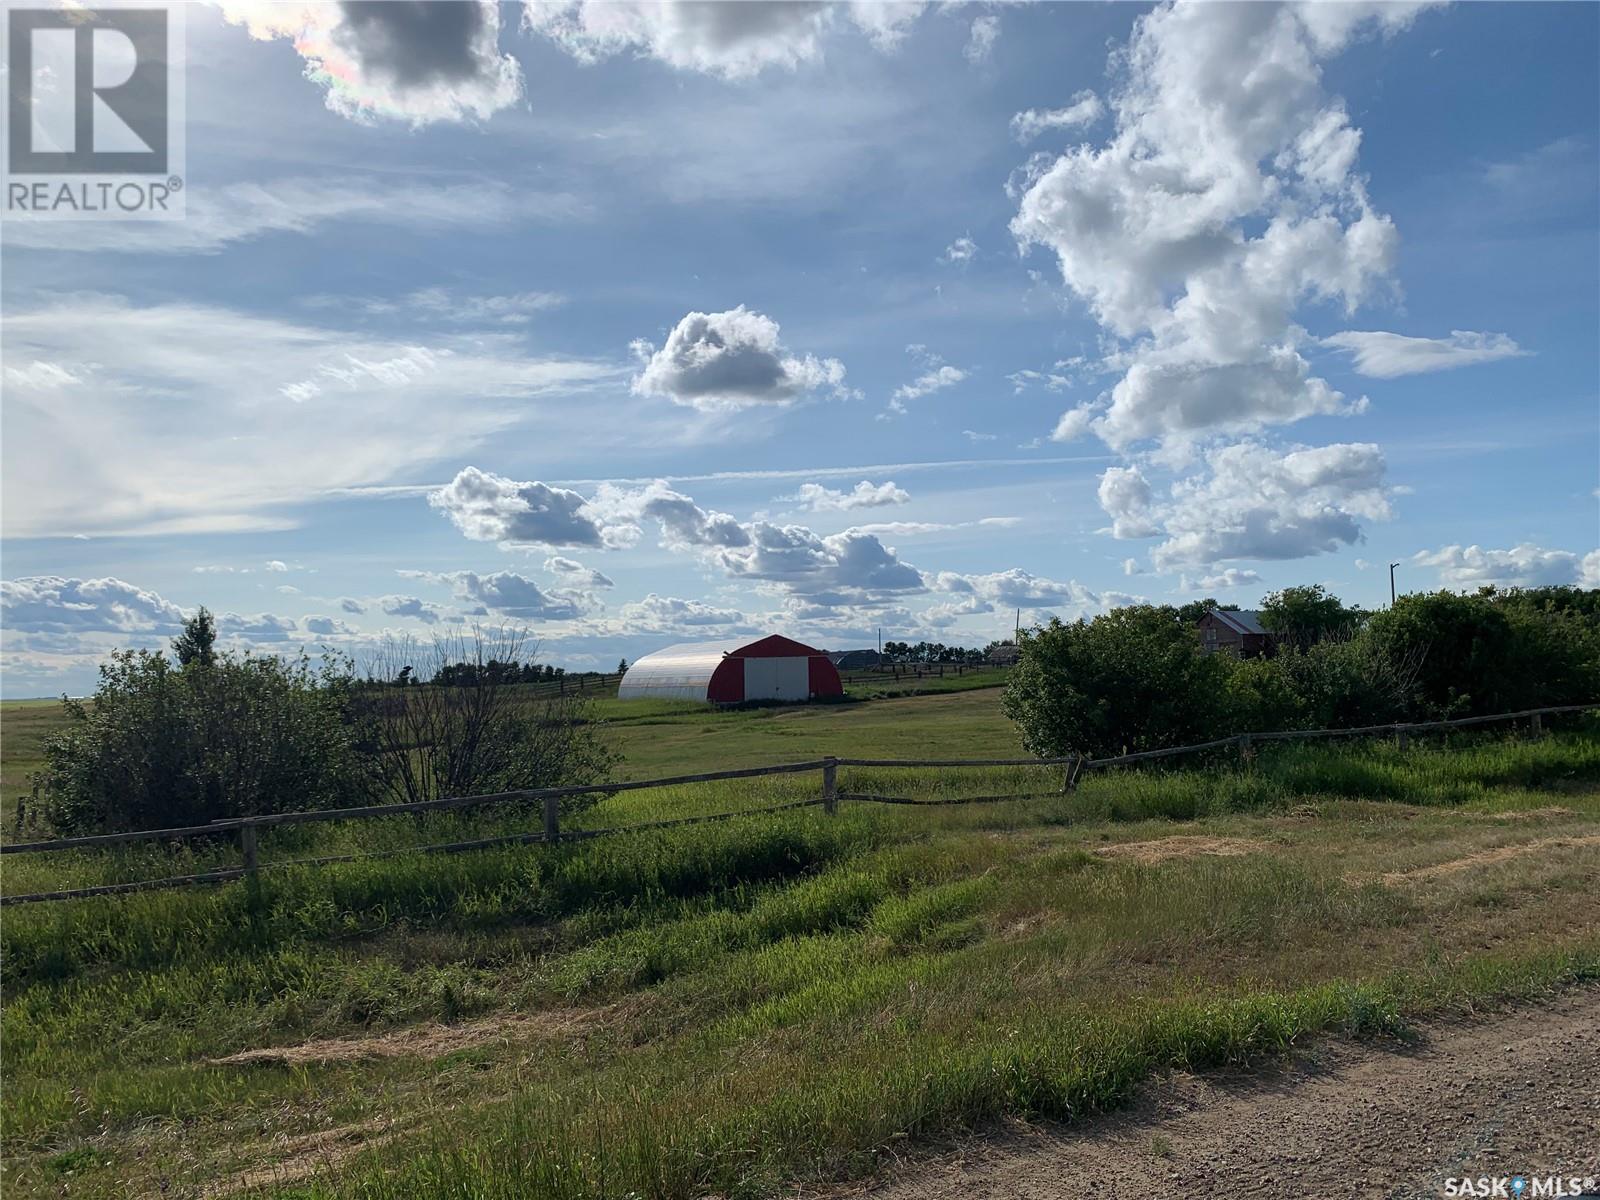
(550, 798)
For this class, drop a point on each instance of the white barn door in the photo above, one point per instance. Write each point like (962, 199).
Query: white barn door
(777, 679)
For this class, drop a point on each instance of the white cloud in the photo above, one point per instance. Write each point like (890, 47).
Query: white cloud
(734, 41)
(351, 605)
(1085, 109)
(864, 495)
(1233, 577)
(53, 604)
(1391, 355)
(1524, 565)
(1125, 495)
(417, 63)
(730, 360)
(491, 508)
(575, 573)
(932, 380)
(670, 614)
(413, 608)
(684, 524)
(1074, 423)
(180, 423)
(1257, 503)
(963, 249)
(843, 568)
(1017, 588)
(1226, 196)
(255, 628)
(981, 38)
(510, 594)
(216, 217)
(1130, 566)
(276, 565)
(328, 627)
(451, 307)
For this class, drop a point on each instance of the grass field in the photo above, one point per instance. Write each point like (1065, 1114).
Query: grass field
(731, 1008)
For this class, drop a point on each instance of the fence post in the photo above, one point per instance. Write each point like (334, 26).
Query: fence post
(830, 785)
(1402, 739)
(247, 846)
(552, 818)
(1536, 724)
(1069, 782)
(1244, 748)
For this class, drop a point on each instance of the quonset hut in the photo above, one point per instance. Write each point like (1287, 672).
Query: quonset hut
(731, 672)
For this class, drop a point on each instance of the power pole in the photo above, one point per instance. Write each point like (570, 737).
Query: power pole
(1016, 634)
(1392, 566)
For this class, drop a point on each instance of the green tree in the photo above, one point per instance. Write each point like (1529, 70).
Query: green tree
(1303, 616)
(197, 643)
(1131, 679)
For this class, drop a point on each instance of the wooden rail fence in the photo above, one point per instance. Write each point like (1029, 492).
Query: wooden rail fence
(550, 798)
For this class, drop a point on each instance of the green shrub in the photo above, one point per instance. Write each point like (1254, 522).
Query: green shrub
(1132, 679)
(162, 745)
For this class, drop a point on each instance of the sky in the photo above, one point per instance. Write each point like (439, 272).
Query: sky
(637, 323)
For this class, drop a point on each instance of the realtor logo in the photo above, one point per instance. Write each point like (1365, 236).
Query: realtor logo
(94, 121)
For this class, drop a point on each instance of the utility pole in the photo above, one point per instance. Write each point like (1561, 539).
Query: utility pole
(1016, 634)
(1392, 566)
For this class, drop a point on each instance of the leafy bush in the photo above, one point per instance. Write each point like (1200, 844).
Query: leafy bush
(1132, 679)
(1492, 652)
(161, 745)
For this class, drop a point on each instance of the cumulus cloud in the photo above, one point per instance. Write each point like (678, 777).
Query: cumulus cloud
(1074, 423)
(255, 627)
(1524, 565)
(864, 495)
(1391, 355)
(54, 604)
(843, 568)
(1226, 196)
(575, 573)
(491, 508)
(1258, 503)
(1125, 495)
(513, 595)
(734, 41)
(437, 60)
(413, 608)
(669, 614)
(730, 360)
(684, 524)
(1085, 109)
(351, 605)
(328, 627)
(1233, 577)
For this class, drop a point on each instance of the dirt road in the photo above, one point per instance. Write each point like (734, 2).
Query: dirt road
(1513, 1094)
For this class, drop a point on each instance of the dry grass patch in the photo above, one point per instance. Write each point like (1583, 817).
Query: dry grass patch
(432, 1040)
(1181, 846)
(1485, 858)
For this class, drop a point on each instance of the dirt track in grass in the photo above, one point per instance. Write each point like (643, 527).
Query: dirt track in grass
(1515, 1093)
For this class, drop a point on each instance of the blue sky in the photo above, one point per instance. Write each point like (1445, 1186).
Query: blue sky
(644, 323)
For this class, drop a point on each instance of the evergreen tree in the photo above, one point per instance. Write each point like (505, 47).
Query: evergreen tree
(197, 643)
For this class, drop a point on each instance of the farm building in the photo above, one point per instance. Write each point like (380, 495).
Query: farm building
(732, 672)
(1234, 631)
